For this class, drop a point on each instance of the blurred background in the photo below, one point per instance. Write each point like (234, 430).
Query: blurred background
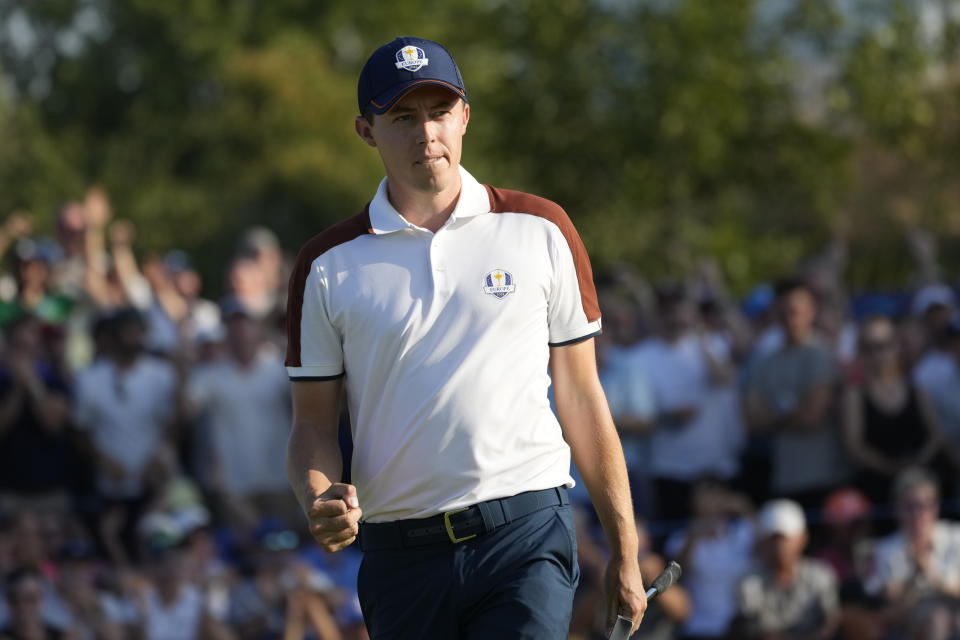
(769, 191)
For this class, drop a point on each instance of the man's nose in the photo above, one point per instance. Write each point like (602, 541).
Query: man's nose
(427, 131)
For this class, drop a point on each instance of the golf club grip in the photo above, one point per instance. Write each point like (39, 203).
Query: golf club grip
(665, 580)
(621, 630)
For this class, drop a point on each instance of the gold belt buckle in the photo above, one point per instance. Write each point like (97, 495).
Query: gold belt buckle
(449, 527)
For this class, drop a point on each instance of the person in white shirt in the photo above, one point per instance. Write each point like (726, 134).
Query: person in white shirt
(698, 433)
(445, 310)
(244, 401)
(127, 403)
(917, 569)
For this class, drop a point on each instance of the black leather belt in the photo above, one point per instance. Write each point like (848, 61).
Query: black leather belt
(459, 525)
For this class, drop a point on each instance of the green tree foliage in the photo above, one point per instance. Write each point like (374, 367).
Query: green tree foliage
(669, 129)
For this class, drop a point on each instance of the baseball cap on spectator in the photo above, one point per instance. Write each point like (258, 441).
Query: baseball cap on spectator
(177, 260)
(933, 295)
(404, 64)
(257, 239)
(783, 517)
(43, 249)
(845, 506)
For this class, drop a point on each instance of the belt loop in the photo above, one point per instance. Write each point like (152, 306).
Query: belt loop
(562, 495)
(488, 523)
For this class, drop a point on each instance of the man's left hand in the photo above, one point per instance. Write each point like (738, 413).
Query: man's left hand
(624, 590)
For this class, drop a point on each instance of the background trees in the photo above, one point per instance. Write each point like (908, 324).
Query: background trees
(753, 131)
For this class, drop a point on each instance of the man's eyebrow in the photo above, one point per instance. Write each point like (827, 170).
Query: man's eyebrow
(444, 104)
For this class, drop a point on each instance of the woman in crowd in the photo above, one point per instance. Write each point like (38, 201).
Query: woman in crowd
(888, 422)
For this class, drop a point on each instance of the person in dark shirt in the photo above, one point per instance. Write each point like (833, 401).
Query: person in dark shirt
(888, 422)
(24, 591)
(34, 417)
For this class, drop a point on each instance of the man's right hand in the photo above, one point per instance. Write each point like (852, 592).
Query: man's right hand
(334, 517)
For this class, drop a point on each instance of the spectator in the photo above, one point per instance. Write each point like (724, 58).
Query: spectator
(792, 395)
(25, 596)
(936, 306)
(245, 398)
(693, 438)
(171, 608)
(888, 422)
(714, 552)
(917, 569)
(78, 589)
(848, 551)
(945, 393)
(630, 397)
(33, 258)
(34, 416)
(126, 402)
(787, 595)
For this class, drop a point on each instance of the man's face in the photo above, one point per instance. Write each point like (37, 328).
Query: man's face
(783, 551)
(420, 139)
(918, 510)
(798, 310)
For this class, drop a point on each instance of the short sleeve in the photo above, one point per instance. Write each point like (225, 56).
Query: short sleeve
(571, 312)
(319, 352)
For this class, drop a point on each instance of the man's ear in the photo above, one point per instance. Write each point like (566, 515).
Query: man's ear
(466, 116)
(364, 130)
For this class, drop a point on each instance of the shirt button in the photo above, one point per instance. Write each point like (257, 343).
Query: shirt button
(439, 267)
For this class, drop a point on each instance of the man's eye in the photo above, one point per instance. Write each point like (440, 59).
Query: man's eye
(440, 114)
(402, 118)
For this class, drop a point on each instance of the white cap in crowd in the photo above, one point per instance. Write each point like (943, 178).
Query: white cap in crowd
(784, 517)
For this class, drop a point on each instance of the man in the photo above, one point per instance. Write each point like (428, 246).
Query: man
(917, 569)
(787, 596)
(442, 304)
(126, 402)
(791, 394)
(697, 429)
(242, 400)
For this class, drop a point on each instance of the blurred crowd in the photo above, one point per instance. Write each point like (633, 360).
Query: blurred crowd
(143, 434)
(797, 451)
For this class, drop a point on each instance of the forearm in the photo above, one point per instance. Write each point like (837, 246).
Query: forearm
(313, 461)
(599, 458)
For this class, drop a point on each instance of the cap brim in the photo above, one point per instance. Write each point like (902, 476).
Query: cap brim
(383, 102)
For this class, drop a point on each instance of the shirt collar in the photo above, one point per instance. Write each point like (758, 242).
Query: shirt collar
(473, 200)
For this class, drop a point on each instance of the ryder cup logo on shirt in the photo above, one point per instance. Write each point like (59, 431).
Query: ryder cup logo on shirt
(411, 58)
(498, 283)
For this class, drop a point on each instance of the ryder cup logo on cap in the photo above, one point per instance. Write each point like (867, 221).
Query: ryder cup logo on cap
(401, 66)
(411, 58)
(498, 283)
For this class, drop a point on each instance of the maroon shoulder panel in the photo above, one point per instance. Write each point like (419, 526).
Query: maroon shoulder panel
(342, 232)
(504, 201)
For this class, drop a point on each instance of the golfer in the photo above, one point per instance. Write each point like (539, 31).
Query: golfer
(445, 309)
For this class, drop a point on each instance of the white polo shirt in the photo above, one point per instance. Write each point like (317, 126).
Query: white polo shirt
(444, 339)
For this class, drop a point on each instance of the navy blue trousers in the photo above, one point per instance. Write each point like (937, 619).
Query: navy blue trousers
(515, 582)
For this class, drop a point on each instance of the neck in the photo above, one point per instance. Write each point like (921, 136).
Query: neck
(427, 209)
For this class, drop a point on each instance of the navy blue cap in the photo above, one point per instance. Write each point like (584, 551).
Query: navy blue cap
(401, 65)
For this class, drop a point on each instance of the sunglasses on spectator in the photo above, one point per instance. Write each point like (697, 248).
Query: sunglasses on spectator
(918, 506)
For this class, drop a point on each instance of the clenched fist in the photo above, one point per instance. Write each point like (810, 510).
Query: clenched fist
(334, 517)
